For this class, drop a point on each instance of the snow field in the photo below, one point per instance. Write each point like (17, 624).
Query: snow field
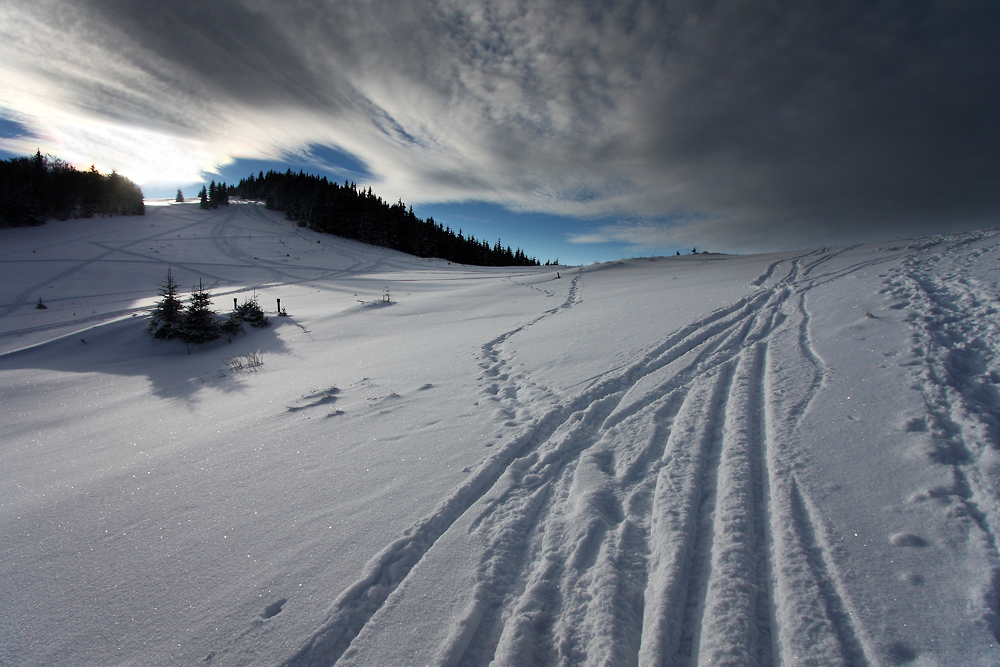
(781, 460)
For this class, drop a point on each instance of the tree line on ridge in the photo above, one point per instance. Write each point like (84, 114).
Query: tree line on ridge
(359, 214)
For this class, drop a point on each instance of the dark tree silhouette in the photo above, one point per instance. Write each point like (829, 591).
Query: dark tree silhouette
(34, 189)
(353, 213)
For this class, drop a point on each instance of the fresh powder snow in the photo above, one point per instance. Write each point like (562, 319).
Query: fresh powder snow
(789, 459)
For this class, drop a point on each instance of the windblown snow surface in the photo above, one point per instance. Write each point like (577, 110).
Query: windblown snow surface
(789, 459)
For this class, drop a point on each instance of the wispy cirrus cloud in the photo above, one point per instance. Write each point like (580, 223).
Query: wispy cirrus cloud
(742, 124)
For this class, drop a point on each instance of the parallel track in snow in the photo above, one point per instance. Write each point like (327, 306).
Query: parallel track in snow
(652, 518)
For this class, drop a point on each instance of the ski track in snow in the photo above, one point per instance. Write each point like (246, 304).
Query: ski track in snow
(658, 513)
(653, 518)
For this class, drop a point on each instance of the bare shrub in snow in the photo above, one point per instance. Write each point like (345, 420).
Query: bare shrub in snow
(246, 362)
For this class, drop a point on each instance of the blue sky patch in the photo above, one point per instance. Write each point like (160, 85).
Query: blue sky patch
(11, 129)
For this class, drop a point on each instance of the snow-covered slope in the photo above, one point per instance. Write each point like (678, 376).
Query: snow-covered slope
(788, 459)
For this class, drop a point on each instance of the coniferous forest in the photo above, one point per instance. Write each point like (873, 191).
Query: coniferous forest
(34, 189)
(360, 214)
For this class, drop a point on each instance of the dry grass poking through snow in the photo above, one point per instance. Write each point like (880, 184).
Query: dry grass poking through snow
(246, 362)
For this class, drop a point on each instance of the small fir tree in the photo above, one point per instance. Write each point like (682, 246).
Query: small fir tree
(250, 312)
(180, 197)
(165, 318)
(199, 325)
(203, 197)
(232, 327)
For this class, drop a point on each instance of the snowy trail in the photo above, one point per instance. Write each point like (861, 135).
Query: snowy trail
(955, 325)
(632, 523)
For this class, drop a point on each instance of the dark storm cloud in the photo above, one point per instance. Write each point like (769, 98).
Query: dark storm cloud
(843, 116)
(747, 124)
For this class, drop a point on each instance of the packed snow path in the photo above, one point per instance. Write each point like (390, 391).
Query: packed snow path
(783, 460)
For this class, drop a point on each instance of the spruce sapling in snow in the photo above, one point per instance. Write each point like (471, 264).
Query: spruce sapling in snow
(199, 325)
(232, 327)
(251, 312)
(165, 318)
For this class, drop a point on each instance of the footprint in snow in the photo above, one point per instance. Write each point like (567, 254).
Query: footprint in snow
(907, 540)
(316, 399)
(502, 413)
(273, 609)
(915, 425)
(900, 653)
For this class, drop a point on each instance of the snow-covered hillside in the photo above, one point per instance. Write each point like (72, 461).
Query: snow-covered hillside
(788, 459)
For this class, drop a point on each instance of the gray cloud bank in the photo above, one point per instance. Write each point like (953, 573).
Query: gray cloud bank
(739, 124)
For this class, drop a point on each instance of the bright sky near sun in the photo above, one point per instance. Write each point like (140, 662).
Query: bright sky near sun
(577, 130)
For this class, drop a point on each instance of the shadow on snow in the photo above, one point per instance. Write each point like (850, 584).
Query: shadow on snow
(174, 369)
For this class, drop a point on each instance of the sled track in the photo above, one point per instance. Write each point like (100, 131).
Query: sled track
(653, 518)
